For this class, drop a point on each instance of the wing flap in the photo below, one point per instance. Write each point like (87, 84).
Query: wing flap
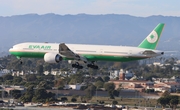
(65, 51)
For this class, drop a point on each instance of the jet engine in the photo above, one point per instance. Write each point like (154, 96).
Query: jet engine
(52, 58)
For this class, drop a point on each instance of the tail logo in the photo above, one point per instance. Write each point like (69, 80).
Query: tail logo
(152, 37)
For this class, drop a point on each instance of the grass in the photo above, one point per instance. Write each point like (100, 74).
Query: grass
(121, 101)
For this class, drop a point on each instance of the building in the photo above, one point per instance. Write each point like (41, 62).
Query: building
(166, 80)
(121, 74)
(4, 71)
(132, 85)
(74, 87)
(8, 88)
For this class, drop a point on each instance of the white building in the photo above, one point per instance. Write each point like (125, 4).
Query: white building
(56, 72)
(4, 71)
(114, 74)
(157, 64)
(18, 73)
(74, 87)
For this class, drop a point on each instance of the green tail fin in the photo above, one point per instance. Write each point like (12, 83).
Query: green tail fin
(151, 41)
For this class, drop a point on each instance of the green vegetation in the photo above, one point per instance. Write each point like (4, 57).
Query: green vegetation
(37, 95)
(139, 67)
(93, 80)
(121, 101)
(170, 100)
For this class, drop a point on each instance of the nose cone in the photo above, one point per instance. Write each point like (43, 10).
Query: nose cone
(11, 51)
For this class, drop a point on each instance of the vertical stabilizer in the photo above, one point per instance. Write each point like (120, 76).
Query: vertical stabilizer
(151, 41)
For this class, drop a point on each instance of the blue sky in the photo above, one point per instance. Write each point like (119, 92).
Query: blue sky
(141, 8)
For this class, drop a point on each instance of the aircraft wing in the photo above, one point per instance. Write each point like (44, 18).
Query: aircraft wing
(65, 51)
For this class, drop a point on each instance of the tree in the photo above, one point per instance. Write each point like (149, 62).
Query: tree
(114, 102)
(99, 79)
(168, 69)
(3, 93)
(163, 101)
(106, 78)
(99, 84)
(59, 83)
(109, 86)
(40, 95)
(150, 76)
(76, 78)
(51, 97)
(100, 102)
(90, 91)
(111, 94)
(173, 103)
(47, 67)
(116, 93)
(40, 69)
(49, 77)
(64, 99)
(45, 85)
(83, 99)
(1, 79)
(28, 64)
(17, 80)
(28, 95)
(73, 100)
(7, 77)
(171, 100)
(149, 91)
(31, 77)
(15, 93)
(92, 72)
(166, 93)
(83, 87)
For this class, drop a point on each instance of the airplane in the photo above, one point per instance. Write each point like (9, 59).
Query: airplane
(89, 54)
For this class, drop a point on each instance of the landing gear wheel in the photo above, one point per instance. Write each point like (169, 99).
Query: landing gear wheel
(77, 65)
(73, 65)
(80, 67)
(92, 66)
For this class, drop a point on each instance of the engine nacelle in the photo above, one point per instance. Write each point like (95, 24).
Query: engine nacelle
(52, 58)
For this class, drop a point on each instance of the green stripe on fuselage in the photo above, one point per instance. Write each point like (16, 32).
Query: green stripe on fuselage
(110, 58)
(89, 57)
(28, 54)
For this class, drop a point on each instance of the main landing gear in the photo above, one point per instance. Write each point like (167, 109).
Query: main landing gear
(77, 65)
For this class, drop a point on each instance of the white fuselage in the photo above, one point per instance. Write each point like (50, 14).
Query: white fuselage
(96, 52)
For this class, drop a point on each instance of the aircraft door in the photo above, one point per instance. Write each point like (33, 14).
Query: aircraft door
(130, 52)
(101, 51)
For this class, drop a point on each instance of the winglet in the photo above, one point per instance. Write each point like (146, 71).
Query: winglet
(151, 41)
